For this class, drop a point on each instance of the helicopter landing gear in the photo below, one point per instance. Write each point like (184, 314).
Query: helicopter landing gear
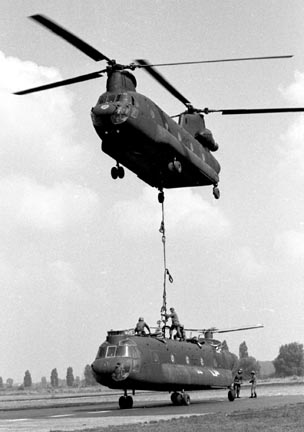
(180, 398)
(175, 166)
(231, 395)
(216, 192)
(125, 402)
(117, 172)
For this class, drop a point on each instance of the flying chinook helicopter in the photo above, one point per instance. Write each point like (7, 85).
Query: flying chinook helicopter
(137, 134)
(129, 362)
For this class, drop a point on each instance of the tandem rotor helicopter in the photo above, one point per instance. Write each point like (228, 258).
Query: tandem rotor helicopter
(163, 153)
(138, 135)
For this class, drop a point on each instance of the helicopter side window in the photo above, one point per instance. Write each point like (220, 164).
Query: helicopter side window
(111, 351)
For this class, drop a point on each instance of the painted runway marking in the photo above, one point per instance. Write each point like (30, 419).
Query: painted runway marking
(61, 415)
(97, 412)
(16, 420)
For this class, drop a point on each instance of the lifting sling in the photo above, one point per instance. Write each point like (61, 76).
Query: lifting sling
(162, 230)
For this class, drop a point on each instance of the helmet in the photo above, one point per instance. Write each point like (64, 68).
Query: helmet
(252, 372)
(140, 319)
(240, 370)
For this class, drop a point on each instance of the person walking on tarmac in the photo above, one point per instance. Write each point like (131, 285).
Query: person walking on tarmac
(253, 382)
(238, 381)
(140, 327)
(175, 324)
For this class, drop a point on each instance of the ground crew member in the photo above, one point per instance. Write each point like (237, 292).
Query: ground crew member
(175, 324)
(238, 381)
(253, 382)
(140, 327)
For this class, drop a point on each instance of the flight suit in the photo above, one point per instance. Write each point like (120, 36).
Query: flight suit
(238, 380)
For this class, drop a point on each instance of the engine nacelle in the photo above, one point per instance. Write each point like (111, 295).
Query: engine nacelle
(206, 139)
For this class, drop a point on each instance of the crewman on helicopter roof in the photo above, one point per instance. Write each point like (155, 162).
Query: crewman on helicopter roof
(158, 331)
(175, 324)
(238, 381)
(140, 327)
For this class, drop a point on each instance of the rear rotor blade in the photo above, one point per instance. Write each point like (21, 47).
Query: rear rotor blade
(253, 111)
(69, 37)
(156, 75)
(77, 79)
(217, 61)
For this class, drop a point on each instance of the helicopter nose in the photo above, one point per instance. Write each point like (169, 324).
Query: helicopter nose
(111, 369)
(104, 109)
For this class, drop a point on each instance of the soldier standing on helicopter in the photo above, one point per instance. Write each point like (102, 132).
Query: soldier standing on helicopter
(175, 324)
(238, 381)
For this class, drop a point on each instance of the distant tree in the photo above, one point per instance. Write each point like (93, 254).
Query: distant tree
(290, 360)
(27, 380)
(246, 362)
(88, 376)
(43, 382)
(54, 378)
(9, 382)
(243, 350)
(70, 377)
(77, 381)
(225, 346)
(1, 383)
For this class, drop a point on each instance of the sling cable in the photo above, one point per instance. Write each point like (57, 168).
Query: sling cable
(167, 274)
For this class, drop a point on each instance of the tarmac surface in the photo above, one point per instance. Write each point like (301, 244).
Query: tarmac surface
(102, 410)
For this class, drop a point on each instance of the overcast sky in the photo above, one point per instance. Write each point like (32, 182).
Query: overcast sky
(81, 253)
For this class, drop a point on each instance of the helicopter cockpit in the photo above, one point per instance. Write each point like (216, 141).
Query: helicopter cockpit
(124, 348)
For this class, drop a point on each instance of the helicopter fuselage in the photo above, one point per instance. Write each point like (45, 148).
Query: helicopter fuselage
(129, 362)
(139, 135)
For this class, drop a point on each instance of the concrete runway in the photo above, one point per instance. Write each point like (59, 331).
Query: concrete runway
(147, 407)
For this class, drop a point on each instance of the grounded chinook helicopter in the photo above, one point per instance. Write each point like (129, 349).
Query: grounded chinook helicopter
(137, 134)
(129, 362)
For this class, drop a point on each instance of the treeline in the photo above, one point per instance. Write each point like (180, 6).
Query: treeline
(54, 380)
(289, 361)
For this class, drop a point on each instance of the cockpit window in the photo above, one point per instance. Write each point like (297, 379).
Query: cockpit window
(127, 342)
(122, 350)
(127, 351)
(111, 351)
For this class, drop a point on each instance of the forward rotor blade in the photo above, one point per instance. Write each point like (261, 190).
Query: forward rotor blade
(156, 75)
(69, 37)
(77, 79)
(254, 111)
(217, 61)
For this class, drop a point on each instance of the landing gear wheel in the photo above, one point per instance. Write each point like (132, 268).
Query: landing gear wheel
(174, 398)
(231, 395)
(129, 402)
(114, 173)
(125, 402)
(120, 172)
(216, 192)
(161, 197)
(186, 399)
(178, 399)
